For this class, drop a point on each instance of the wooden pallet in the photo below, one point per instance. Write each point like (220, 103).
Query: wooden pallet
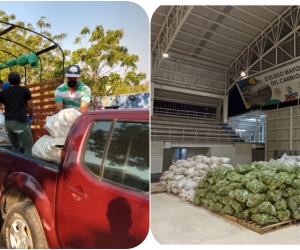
(158, 189)
(264, 229)
(252, 225)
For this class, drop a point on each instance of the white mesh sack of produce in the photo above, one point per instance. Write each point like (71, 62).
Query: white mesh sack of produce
(289, 162)
(213, 159)
(172, 167)
(198, 158)
(179, 170)
(178, 177)
(201, 166)
(181, 182)
(188, 164)
(2, 119)
(59, 125)
(205, 160)
(189, 171)
(191, 195)
(223, 160)
(190, 184)
(46, 148)
(215, 165)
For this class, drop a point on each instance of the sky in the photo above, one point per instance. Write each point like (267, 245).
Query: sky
(71, 17)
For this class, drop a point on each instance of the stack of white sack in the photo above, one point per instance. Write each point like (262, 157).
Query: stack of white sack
(47, 148)
(285, 160)
(58, 125)
(3, 133)
(184, 175)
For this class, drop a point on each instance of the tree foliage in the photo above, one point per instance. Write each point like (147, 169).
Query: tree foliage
(20, 41)
(106, 65)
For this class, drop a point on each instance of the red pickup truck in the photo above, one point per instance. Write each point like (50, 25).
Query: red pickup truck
(97, 197)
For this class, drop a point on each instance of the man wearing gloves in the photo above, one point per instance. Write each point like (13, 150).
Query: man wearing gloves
(17, 102)
(73, 93)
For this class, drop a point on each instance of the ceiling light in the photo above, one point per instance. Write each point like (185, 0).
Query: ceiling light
(243, 74)
(165, 55)
(240, 130)
(252, 119)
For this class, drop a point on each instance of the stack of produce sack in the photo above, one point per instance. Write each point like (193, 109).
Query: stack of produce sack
(262, 193)
(58, 125)
(3, 133)
(183, 176)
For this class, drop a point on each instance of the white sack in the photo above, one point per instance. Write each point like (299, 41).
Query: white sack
(191, 194)
(45, 148)
(169, 176)
(178, 177)
(4, 139)
(223, 160)
(174, 190)
(179, 171)
(172, 183)
(163, 178)
(197, 179)
(214, 165)
(189, 171)
(188, 164)
(213, 159)
(59, 125)
(264, 163)
(190, 184)
(200, 173)
(201, 166)
(2, 119)
(166, 172)
(172, 168)
(289, 162)
(205, 160)
(180, 182)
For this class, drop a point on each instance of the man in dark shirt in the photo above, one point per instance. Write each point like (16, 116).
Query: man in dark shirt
(17, 102)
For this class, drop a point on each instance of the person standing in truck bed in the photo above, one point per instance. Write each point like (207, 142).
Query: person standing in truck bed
(17, 102)
(73, 93)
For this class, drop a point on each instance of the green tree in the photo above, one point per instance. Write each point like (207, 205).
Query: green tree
(129, 89)
(106, 65)
(50, 63)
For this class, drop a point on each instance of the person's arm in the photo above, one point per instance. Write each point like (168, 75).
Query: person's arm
(58, 107)
(58, 101)
(85, 100)
(30, 108)
(83, 107)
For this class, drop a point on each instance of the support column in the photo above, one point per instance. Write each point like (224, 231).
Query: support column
(219, 108)
(256, 130)
(151, 97)
(291, 128)
(225, 109)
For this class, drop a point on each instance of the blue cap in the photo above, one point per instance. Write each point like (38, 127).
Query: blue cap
(73, 71)
(5, 85)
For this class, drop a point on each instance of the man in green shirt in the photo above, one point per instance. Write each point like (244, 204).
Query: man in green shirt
(72, 93)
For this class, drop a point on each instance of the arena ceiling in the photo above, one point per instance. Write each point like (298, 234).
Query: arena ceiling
(209, 46)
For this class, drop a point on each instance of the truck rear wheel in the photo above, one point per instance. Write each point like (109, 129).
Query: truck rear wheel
(23, 228)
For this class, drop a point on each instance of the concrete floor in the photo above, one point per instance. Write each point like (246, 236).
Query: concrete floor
(176, 222)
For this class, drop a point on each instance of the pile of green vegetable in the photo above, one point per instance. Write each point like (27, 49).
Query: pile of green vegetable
(263, 194)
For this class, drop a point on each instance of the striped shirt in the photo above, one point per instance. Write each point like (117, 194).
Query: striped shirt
(72, 100)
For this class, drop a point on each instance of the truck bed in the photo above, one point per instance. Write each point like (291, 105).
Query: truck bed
(19, 170)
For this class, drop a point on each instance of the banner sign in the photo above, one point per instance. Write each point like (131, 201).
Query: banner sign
(276, 86)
